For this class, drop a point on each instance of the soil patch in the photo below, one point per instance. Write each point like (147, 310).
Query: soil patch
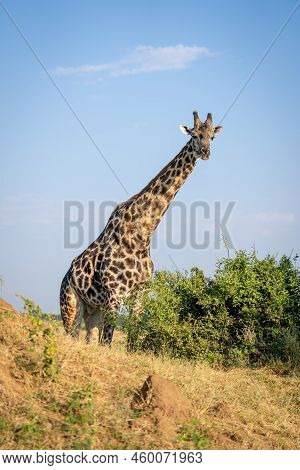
(160, 403)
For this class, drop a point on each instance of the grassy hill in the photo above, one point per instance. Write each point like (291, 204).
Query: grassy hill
(58, 393)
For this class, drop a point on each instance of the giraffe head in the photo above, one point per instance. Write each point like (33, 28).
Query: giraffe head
(202, 134)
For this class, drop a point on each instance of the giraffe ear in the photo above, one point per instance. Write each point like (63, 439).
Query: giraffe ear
(217, 129)
(185, 129)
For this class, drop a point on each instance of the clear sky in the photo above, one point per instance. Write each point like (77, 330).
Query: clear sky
(133, 71)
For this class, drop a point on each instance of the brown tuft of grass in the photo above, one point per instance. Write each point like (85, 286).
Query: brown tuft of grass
(86, 404)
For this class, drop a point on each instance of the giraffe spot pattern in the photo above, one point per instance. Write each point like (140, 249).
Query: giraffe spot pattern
(118, 261)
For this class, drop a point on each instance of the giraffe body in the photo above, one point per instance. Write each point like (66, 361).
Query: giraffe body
(118, 262)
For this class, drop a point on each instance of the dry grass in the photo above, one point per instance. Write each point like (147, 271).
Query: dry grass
(88, 406)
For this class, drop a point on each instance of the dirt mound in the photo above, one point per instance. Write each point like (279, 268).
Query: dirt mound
(6, 306)
(11, 347)
(10, 388)
(161, 403)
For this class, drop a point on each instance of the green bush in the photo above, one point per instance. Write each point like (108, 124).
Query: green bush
(44, 325)
(247, 314)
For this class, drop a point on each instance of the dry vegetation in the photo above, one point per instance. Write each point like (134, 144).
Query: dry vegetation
(57, 393)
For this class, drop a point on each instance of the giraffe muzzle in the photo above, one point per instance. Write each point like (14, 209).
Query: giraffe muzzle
(205, 154)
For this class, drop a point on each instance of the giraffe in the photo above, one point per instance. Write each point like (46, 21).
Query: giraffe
(118, 262)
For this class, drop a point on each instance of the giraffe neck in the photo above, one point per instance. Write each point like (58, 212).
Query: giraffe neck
(147, 208)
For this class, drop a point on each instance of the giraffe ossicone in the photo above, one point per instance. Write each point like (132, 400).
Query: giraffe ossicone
(118, 262)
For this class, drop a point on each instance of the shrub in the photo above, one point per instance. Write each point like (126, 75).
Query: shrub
(44, 325)
(247, 314)
(79, 417)
(192, 435)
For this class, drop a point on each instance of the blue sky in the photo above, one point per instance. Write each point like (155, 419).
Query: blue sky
(133, 71)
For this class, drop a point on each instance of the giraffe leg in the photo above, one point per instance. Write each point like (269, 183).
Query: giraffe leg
(93, 320)
(100, 324)
(135, 315)
(107, 333)
(109, 322)
(72, 308)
